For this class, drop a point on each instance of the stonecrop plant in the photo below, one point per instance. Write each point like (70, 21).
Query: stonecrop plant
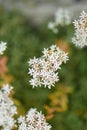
(7, 108)
(44, 70)
(34, 120)
(80, 25)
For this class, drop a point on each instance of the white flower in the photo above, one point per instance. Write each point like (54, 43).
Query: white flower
(62, 17)
(80, 25)
(43, 70)
(34, 120)
(2, 47)
(52, 26)
(7, 108)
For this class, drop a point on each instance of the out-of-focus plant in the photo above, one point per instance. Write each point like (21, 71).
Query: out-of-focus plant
(5, 77)
(58, 100)
(64, 45)
(63, 17)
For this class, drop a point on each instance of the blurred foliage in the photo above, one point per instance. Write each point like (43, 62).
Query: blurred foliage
(58, 100)
(26, 40)
(5, 76)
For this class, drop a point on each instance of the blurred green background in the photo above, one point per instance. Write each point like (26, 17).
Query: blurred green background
(26, 40)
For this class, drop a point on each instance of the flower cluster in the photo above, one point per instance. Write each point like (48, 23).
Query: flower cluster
(80, 36)
(7, 108)
(62, 18)
(2, 47)
(44, 69)
(34, 120)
